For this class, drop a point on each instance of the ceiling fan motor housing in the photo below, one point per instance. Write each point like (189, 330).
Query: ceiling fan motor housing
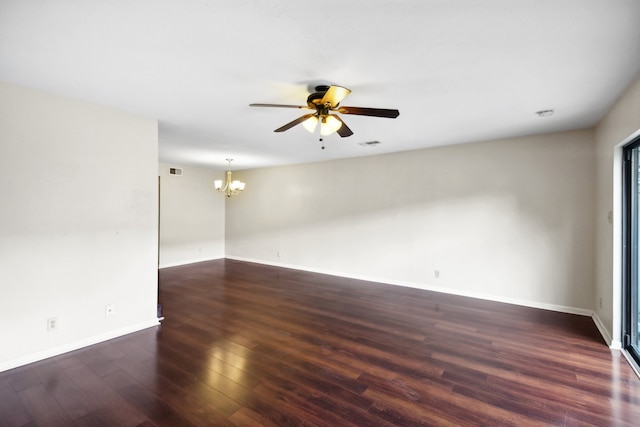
(313, 100)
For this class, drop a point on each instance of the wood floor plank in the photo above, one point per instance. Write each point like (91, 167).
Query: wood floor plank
(59, 385)
(44, 408)
(23, 378)
(12, 411)
(113, 409)
(248, 418)
(152, 406)
(182, 392)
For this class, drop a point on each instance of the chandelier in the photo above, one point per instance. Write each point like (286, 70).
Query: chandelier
(229, 187)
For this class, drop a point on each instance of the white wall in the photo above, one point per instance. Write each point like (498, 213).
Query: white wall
(78, 223)
(192, 216)
(622, 121)
(509, 220)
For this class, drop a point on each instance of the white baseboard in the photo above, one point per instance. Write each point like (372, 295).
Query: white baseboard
(478, 295)
(464, 293)
(186, 262)
(614, 345)
(56, 351)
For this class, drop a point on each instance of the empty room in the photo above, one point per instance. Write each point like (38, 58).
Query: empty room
(345, 213)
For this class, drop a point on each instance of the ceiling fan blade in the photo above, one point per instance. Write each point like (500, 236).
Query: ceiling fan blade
(278, 105)
(334, 95)
(344, 130)
(375, 112)
(293, 123)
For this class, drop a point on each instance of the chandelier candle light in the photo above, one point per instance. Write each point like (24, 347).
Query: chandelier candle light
(230, 187)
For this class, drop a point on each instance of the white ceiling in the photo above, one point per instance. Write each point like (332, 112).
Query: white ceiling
(458, 70)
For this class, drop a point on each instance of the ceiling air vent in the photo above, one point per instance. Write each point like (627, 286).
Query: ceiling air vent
(370, 143)
(175, 171)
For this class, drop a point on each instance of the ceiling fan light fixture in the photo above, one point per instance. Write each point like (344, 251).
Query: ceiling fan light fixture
(310, 124)
(329, 124)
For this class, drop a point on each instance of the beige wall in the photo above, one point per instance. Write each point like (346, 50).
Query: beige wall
(78, 223)
(509, 220)
(192, 216)
(622, 121)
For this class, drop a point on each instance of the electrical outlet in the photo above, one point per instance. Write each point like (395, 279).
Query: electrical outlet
(600, 303)
(52, 324)
(436, 274)
(109, 310)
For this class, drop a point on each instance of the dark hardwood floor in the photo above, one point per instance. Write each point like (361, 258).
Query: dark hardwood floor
(251, 345)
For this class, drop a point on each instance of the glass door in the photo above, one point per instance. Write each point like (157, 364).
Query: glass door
(631, 230)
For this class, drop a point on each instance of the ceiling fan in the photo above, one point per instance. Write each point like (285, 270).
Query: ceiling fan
(326, 102)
